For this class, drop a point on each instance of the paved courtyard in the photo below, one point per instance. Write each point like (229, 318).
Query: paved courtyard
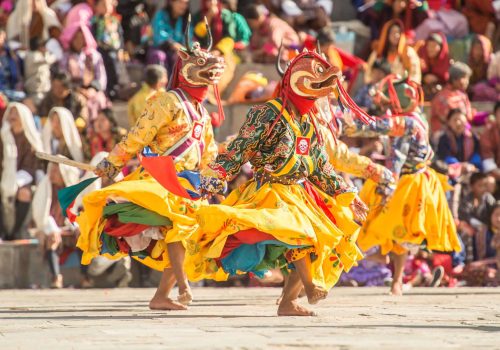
(244, 318)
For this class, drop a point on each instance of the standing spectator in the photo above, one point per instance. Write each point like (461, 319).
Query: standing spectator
(10, 78)
(108, 33)
(37, 70)
(452, 96)
(224, 22)
(393, 48)
(483, 87)
(490, 145)
(168, 25)
(60, 135)
(155, 80)
(20, 168)
(31, 18)
(48, 216)
(85, 65)
(61, 94)
(269, 32)
(458, 144)
(435, 64)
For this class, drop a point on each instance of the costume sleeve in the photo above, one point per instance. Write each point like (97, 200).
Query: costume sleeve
(325, 177)
(160, 110)
(390, 126)
(243, 147)
(210, 152)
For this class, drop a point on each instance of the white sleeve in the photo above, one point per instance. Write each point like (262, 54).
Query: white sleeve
(327, 5)
(489, 165)
(290, 8)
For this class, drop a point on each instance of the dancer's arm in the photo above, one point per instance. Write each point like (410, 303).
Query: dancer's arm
(238, 151)
(160, 110)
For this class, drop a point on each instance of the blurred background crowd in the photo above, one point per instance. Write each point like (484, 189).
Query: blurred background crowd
(75, 75)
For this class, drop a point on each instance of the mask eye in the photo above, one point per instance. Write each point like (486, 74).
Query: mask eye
(201, 61)
(320, 69)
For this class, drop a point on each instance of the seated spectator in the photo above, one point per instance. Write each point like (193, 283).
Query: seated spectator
(482, 15)
(490, 145)
(306, 15)
(61, 94)
(20, 168)
(435, 64)
(443, 17)
(155, 79)
(37, 71)
(104, 135)
(31, 18)
(474, 205)
(107, 273)
(393, 48)
(108, 33)
(371, 271)
(269, 32)
(412, 13)
(452, 96)
(483, 269)
(224, 22)
(48, 216)
(363, 98)
(136, 25)
(60, 135)
(168, 24)
(85, 65)
(484, 79)
(458, 144)
(10, 77)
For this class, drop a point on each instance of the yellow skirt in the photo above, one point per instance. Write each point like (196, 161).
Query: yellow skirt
(417, 211)
(142, 189)
(289, 215)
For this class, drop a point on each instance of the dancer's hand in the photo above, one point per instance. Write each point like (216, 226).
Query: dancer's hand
(106, 169)
(359, 209)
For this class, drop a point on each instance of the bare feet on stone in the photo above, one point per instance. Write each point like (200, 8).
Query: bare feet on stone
(292, 308)
(163, 303)
(315, 294)
(185, 296)
(396, 288)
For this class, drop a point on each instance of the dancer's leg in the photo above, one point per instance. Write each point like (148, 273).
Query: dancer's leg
(288, 305)
(399, 265)
(160, 300)
(314, 293)
(176, 253)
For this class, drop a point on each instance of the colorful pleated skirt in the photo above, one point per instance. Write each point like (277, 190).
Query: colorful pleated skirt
(256, 227)
(417, 212)
(138, 217)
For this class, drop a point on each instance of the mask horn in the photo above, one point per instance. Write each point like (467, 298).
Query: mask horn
(187, 39)
(209, 33)
(280, 69)
(318, 47)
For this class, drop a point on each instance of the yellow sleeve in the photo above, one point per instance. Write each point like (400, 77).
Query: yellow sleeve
(210, 152)
(160, 110)
(342, 159)
(131, 113)
(200, 29)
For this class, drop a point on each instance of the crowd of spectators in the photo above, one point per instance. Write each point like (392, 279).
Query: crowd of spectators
(64, 64)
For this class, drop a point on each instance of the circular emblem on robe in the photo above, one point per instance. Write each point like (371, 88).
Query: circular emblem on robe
(399, 232)
(303, 144)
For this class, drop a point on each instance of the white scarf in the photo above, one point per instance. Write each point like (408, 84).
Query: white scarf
(8, 187)
(18, 24)
(42, 200)
(69, 131)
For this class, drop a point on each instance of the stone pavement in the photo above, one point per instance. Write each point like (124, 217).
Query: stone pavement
(244, 318)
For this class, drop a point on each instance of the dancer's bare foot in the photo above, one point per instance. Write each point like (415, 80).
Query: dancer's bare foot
(315, 294)
(292, 308)
(396, 288)
(185, 296)
(160, 302)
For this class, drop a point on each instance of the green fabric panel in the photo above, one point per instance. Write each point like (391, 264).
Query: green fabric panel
(132, 213)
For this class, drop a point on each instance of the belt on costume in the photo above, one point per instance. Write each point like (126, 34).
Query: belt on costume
(284, 180)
